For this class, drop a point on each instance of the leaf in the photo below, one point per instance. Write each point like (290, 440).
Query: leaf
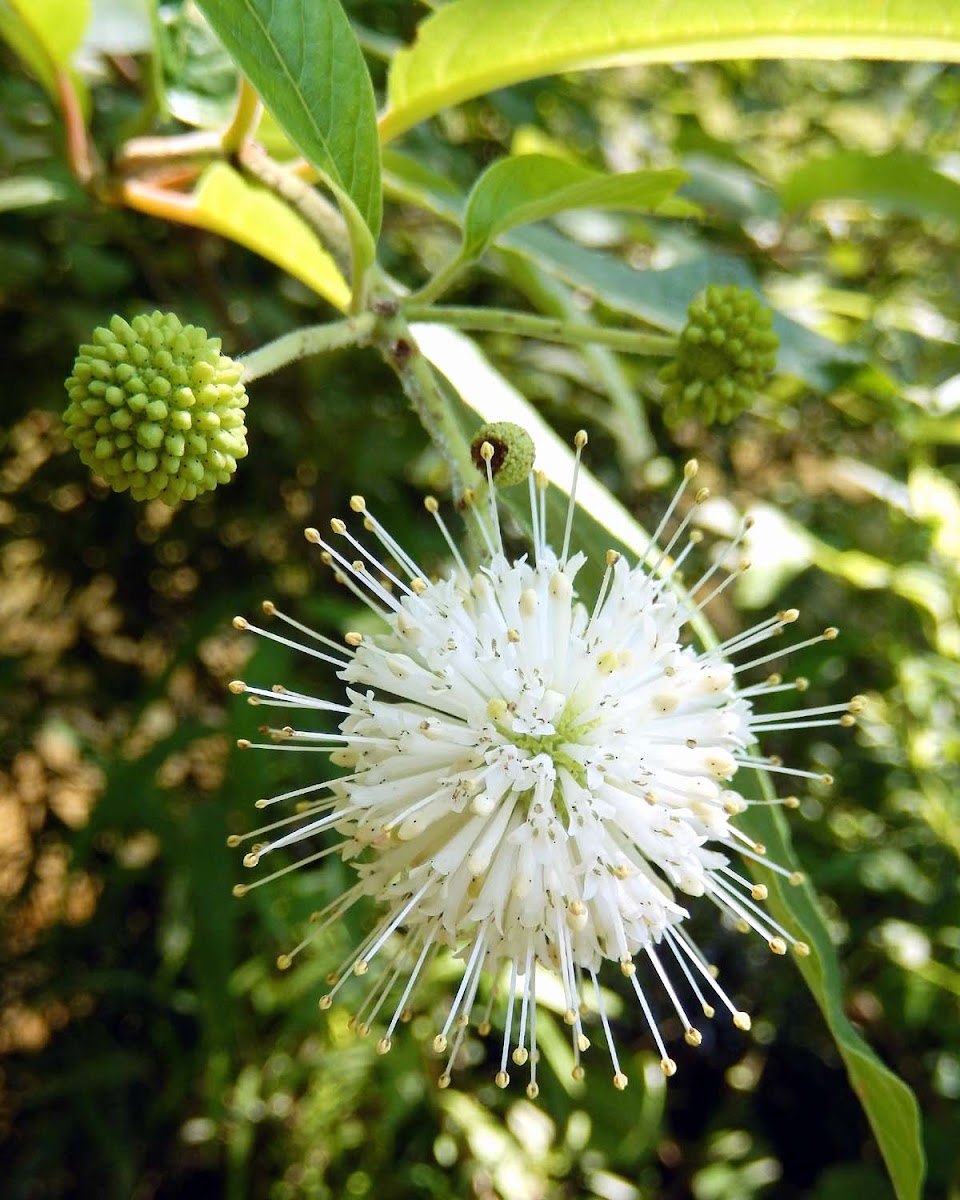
(407, 178)
(228, 204)
(900, 182)
(890, 1105)
(476, 46)
(29, 191)
(45, 34)
(529, 187)
(304, 61)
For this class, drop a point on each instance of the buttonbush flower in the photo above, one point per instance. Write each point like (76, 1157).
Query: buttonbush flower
(156, 408)
(726, 351)
(532, 780)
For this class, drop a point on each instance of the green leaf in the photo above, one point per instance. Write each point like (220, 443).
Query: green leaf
(475, 46)
(890, 1105)
(226, 203)
(45, 34)
(898, 182)
(529, 187)
(304, 61)
(29, 191)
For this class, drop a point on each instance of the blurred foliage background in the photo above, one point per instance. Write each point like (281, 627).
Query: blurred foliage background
(150, 1049)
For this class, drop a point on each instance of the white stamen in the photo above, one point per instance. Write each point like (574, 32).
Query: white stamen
(579, 442)
(528, 783)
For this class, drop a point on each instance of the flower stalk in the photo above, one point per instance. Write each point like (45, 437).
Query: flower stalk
(545, 329)
(306, 342)
(398, 346)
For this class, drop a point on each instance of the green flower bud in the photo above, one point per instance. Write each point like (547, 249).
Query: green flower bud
(725, 353)
(513, 452)
(156, 409)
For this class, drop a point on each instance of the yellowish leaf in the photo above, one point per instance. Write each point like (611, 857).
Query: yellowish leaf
(247, 213)
(476, 46)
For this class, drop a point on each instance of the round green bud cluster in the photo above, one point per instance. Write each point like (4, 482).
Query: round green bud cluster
(513, 452)
(726, 351)
(156, 409)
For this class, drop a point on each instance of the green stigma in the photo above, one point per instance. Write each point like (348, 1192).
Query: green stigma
(725, 353)
(156, 409)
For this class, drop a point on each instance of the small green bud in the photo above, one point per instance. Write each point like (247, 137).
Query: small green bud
(156, 409)
(513, 452)
(725, 353)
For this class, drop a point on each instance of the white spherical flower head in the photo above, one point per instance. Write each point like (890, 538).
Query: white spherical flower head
(533, 782)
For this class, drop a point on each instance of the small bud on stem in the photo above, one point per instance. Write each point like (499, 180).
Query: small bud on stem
(510, 455)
